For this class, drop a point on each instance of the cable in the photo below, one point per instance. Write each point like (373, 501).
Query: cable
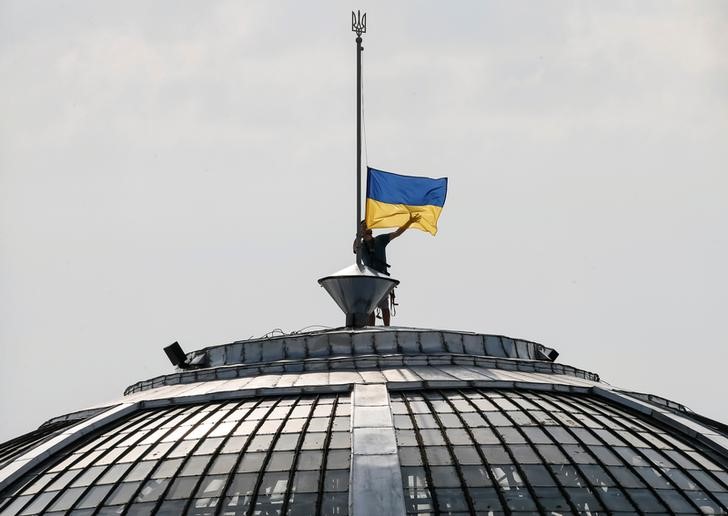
(321, 326)
(274, 331)
(278, 331)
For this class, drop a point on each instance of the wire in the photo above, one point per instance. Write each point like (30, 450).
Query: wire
(278, 331)
(321, 326)
(274, 331)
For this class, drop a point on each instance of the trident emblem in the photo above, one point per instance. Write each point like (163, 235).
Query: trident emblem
(358, 23)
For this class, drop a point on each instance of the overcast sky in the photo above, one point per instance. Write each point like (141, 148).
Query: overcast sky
(185, 171)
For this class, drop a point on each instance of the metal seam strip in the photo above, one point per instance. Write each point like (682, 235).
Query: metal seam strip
(376, 476)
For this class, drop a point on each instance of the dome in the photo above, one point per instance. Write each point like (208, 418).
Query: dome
(371, 421)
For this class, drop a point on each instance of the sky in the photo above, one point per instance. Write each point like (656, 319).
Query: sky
(185, 171)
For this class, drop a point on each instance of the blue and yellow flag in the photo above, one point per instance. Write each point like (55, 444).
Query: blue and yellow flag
(391, 198)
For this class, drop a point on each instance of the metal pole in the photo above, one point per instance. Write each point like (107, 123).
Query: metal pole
(358, 25)
(358, 132)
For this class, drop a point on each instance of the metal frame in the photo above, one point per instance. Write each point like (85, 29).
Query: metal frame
(654, 465)
(579, 408)
(147, 425)
(85, 452)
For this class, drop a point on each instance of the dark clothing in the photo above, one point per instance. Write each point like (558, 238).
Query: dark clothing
(374, 253)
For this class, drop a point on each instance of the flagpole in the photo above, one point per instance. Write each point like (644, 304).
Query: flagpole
(358, 25)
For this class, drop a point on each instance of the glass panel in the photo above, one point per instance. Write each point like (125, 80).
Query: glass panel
(318, 424)
(242, 484)
(475, 476)
(39, 502)
(280, 461)
(223, 464)
(167, 468)
(417, 501)
(485, 500)
(94, 496)
(333, 504)
(414, 477)
(337, 459)
(340, 440)
(444, 476)
(506, 475)
(260, 443)
(114, 473)
(645, 500)
(473, 420)
(552, 454)
(584, 500)
(140, 471)
(605, 456)
(450, 500)
(195, 465)
(449, 420)
(536, 435)
(677, 503)
(466, 455)
(484, 436)
(303, 504)
(437, 455)
(63, 480)
(519, 500)
(551, 499)
(510, 435)
(87, 477)
(567, 475)
(524, 454)
(631, 456)
(209, 445)
(653, 477)
(615, 500)
(596, 475)
(152, 490)
(432, 438)
(537, 475)
(251, 462)
(578, 454)
(625, 477)
(310, 460)
(182, 449)
(336, 480)
(707, 482)
(305, 481)
(67, 499)
(123, 493)
(560, 435)
(211, 486)
(457, 436)
(706, 504)
(495, 454)
(182, 487)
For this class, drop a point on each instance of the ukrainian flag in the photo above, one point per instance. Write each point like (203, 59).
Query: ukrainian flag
(391, 198)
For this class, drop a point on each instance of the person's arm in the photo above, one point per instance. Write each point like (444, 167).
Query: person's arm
(414, 217)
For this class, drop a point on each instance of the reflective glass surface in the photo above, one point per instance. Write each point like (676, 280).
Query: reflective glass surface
(10, 450)
(477, 451)
(261, 456)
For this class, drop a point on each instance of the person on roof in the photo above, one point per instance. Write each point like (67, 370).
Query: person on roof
(373, 251)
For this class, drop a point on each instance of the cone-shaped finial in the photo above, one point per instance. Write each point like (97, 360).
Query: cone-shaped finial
(357, 290)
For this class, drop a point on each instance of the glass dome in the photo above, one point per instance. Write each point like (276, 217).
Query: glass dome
(398, 421)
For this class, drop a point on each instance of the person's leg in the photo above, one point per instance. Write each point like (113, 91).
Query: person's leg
(384, 307)
(372, 320)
